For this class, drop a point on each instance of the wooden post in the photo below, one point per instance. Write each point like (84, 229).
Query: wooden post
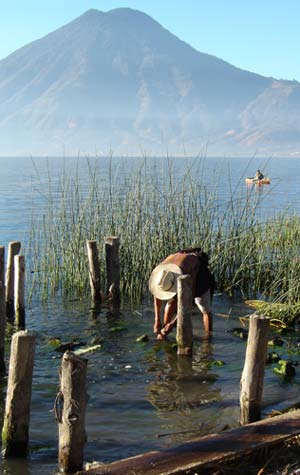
(184, 313)
(17, 408)
(19, 298)
(94, 270)
(2, 309)
(13, 249)
(70, 408)
(112, 245)
(252, 379)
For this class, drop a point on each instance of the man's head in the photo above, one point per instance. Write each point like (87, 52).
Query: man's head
(163, 281)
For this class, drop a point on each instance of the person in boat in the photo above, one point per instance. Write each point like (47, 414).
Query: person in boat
(259, 175)
(163, 286)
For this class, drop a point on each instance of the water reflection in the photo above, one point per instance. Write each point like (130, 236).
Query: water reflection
(111, 309)
(26, 467)
(12, 467)
(183, 388)
(95, 312)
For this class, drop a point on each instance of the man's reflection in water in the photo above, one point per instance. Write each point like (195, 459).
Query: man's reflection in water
(184, 392)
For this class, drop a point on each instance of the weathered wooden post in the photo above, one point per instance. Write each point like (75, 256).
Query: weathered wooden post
(112, 245)
(184, 313)
(19, 297)
(2, 309)
(94, 270)
(70, 408)
(13, 249)
(252, 379)
(17, 408)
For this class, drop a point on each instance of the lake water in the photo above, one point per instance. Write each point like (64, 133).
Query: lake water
(141, 395)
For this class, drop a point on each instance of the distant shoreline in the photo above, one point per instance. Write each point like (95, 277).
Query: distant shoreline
(165, 157)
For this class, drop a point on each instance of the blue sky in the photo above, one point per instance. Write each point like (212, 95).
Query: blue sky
(262, 36)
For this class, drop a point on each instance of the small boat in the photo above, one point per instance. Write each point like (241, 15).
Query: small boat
(253, 181)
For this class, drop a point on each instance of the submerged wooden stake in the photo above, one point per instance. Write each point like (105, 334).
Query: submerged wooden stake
(17, 408)
(184, 313)
(19, 297)
(70, 412)
(13, 249)
(94, 270)
(2, 309)
(252, 379)
(112, 245)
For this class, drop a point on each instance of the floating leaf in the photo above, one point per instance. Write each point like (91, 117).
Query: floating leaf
(276, 341)
(117, 329)
(142, 338)
(255, 303)
(218, 363)
(285, 368)
(54, 342)
(239, 332)
(272, 357)
(90, 349)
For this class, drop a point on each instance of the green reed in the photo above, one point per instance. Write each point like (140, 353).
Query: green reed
(156, 213)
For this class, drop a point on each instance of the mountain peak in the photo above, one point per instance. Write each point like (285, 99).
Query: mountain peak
(118, 79)
(125, 11)
(91, 13)
(122, 15)
(122, 11)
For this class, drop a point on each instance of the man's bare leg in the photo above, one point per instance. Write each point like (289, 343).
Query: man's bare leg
(208, 322)
(207, 315)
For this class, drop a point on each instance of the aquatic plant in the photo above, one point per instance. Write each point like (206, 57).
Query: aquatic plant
(155, 212)
(279, 313)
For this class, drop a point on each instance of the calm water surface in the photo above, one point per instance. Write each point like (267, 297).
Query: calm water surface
(141, 396)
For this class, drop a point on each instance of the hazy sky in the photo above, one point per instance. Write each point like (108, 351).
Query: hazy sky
(262, 36)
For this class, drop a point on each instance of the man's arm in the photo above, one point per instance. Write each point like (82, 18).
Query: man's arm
(157, 309)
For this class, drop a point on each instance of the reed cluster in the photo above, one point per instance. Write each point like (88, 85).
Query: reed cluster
(155, 212)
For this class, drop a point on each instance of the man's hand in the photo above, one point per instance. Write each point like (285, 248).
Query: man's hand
(161, 336)
(157, 328)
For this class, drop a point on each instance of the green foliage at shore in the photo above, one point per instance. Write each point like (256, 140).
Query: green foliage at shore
(279, 313)
(154, 214)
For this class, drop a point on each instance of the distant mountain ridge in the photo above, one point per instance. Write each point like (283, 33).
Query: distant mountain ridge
(119, 81)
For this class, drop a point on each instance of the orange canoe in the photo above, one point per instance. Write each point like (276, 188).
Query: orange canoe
(263, 181)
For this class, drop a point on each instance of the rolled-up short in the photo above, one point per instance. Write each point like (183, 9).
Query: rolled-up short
(204, 302)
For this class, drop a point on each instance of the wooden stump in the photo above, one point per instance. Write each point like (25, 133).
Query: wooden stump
(252, 379)
(184, 316)
(19, 297)
(70, 412)
(2, 309)
(94, 270)
(112, 245)
(13, 249)
(17, 408)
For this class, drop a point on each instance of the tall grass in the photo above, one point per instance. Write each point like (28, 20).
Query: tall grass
(155, 213)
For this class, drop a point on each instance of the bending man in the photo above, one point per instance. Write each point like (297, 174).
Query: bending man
(163, 286)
